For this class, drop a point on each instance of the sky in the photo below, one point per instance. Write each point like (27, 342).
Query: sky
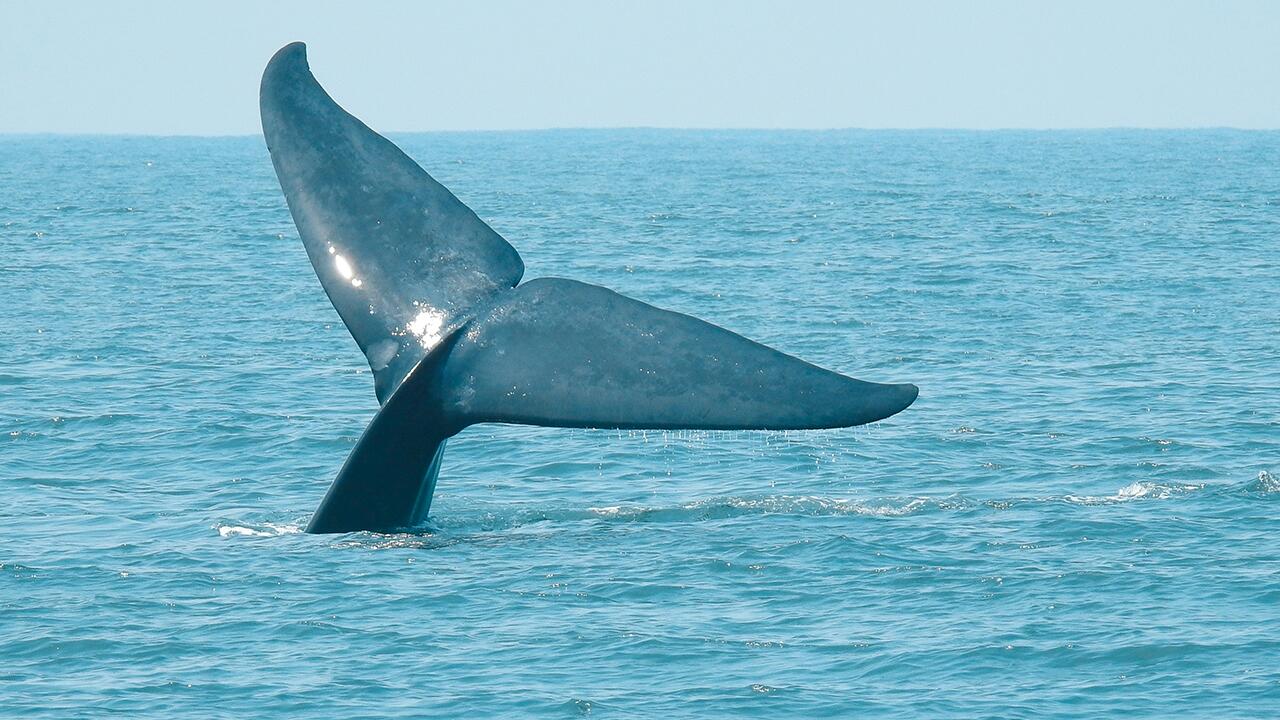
(192, 68)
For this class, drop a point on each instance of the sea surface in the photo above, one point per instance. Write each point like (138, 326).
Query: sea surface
(1079, 517)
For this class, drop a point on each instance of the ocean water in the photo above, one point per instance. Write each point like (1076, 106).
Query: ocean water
(1079, 517)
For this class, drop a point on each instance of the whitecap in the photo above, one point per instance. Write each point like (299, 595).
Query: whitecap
(266, 530)
(1136, 491)
(1265, 483)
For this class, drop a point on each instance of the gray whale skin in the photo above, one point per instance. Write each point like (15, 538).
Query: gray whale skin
(432, 295)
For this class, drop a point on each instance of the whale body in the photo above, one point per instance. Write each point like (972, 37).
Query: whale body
(433, 297)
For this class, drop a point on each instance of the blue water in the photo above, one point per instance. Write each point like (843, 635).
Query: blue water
(1079, 517)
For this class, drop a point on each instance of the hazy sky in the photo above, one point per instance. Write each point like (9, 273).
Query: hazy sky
(193, 68)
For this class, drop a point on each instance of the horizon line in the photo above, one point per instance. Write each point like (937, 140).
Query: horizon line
(672, 128)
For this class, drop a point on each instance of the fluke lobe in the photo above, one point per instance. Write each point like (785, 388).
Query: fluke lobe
(432, 295)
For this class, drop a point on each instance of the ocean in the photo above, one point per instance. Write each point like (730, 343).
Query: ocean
(1079, 517)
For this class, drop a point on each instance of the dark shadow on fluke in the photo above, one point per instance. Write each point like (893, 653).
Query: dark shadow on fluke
(432, 295)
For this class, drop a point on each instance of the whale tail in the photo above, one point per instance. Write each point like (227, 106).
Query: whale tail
(432, 295)
(388, 479)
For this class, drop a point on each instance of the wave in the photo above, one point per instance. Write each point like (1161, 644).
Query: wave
(455, 524)
(1136, 491)
(1265, 483)
(262, 530)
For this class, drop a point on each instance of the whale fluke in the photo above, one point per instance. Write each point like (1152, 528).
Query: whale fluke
(400, 257)
(563, 353)
(431, 294)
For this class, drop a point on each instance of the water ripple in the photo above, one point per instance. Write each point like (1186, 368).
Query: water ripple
(1078, 510)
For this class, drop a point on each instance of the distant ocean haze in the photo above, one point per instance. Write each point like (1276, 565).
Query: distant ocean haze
(1079, 509)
